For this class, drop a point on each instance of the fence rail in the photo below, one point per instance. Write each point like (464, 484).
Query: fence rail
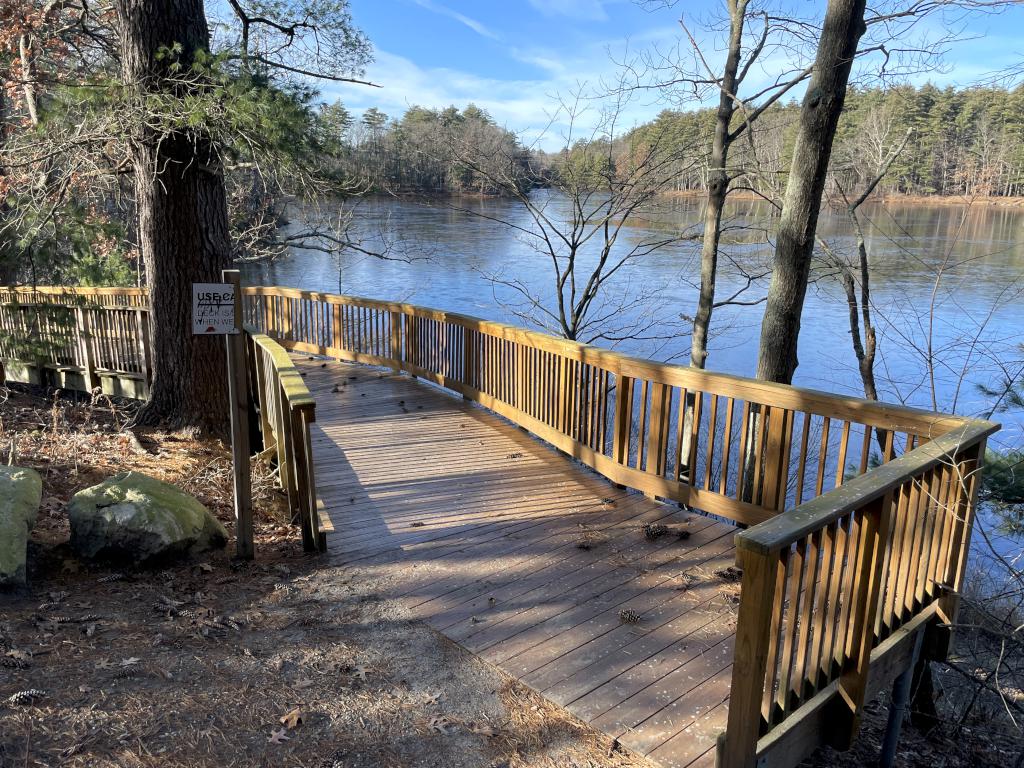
(285, 410)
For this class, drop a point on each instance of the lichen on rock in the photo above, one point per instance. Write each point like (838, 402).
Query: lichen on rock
(21, 491)
(136, 518)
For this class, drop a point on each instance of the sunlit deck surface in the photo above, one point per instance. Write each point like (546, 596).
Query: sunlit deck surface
(526, 559)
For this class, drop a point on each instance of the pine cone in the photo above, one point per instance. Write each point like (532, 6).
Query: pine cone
(654, 530)
(110, 578)
(125, 673)
(22, 698)
(629, 616)
(90, 617)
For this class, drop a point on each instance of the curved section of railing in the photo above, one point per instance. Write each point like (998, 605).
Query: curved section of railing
(740, 448)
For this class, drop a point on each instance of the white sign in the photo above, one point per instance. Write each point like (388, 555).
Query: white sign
(213, 308)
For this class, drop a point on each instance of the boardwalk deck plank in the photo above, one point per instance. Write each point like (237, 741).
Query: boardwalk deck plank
(477, 527)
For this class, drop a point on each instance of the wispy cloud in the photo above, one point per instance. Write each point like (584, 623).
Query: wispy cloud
(587, 10)
(442, 10)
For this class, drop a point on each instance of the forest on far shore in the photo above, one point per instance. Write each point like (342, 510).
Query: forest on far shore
(962, 142)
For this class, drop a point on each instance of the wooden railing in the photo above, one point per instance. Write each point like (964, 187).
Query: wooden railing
(861, 511)
(834, 590)
(735, 447)
(89, 335)
(86, 344)
(285, 410)
(876, 500)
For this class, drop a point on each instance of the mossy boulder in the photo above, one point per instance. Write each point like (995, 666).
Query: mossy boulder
(134, 518)
(21, 491)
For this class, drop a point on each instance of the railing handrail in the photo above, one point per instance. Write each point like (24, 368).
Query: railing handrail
(292, 383)
(814, 515)
(930, 424)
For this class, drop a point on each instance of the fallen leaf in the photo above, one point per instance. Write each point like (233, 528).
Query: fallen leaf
(300, 684)
(130, 662)
(103, 664)
(206, 567)
(14, 653)
(292, 718)
(279, 736)
(439, 724)
(360, 672)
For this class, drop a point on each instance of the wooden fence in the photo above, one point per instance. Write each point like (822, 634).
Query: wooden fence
(82, 345)
(285, 410)
(877, 501)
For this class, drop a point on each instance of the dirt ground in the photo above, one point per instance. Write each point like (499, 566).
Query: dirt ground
(285, 661)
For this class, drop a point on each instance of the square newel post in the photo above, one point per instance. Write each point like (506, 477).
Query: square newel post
(763, 580)
(238, 394)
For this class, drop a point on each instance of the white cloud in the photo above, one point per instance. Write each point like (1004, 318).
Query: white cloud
(529, 107)
(473, 24)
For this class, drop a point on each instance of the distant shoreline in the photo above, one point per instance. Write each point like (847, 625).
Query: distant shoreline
(982, 201)
(985, 201)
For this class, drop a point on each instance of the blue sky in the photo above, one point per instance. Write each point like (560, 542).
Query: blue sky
(515, 58)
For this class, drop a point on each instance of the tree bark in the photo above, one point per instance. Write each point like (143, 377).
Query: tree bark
(819, 116)
(182, 219)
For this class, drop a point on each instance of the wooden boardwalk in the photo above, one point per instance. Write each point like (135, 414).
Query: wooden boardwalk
(526, 559)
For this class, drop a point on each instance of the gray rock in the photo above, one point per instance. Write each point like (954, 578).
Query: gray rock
(136, 518)
(21, 491)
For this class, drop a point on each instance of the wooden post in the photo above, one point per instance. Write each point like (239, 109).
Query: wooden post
(142, 318)
(84, 332)
(763, 581)
(396, 342)
(238, 394)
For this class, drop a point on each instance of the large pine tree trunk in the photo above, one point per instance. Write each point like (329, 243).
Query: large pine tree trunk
(182, 221)
(819, 116)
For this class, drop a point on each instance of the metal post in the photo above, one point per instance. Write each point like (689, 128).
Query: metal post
(898, 708)
(238, 391)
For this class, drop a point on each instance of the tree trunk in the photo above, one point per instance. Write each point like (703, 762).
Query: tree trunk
(819, 116)
(718, 188)
(182, 220)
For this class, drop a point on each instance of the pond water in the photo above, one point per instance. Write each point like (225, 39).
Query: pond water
(948, 274)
